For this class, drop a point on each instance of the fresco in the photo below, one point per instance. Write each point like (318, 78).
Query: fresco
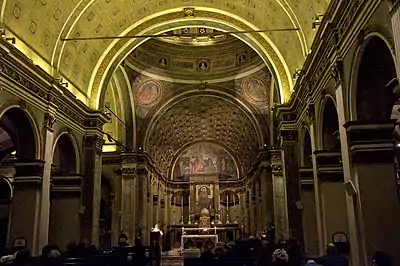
(148, 92)
(255, 90)
(204, 158)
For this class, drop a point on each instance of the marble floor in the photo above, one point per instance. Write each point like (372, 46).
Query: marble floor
(171, 258)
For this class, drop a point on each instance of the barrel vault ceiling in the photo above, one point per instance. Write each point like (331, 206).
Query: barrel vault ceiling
(41, 24)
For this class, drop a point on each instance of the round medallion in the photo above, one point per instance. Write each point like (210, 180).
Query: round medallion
(254, 89)
(149, 92)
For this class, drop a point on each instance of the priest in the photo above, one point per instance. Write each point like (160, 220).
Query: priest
(155, 239)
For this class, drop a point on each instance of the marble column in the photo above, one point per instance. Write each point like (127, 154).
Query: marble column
(26, 203)
(374, 178)
(309, 215)
(266, 195)
(66, 202)
(142, 210)
(281, 219)
(128, 199)
(395, 14)
(316, 183)
(332, 194)
(253, 206)
(290, 159)
(150, 204)
(167, 209)
(356, 255)
(92, 188)
(248, 212)
(258, 198)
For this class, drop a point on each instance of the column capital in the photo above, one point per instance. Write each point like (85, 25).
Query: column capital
(49, 121)
(94, 141)
(371, 142)
(329, 165)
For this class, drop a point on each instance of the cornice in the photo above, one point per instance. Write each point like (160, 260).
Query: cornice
(31, 83)
(337, 32)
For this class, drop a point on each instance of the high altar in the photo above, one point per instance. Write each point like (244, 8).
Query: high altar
(204, 222)
(204, 197)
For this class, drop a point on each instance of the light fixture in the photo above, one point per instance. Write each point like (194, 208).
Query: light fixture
(317, 21)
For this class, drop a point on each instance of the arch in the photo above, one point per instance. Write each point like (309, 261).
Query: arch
(329, 125)
(21, 128)
(6, 189)
(178, 196)
(181, 150)
(159, 23)
(66, 153)
(233, 198)
(373, 69)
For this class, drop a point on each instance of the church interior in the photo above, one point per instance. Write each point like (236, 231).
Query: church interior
(216, 119)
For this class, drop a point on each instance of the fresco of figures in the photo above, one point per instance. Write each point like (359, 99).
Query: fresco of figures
(205, 158)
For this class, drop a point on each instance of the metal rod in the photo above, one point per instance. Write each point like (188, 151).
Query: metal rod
(163, 35)
(119, 144)
(119, 119)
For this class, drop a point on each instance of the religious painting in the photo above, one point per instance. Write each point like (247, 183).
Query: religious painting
(163, 62)
(241, 58)
(205, 158)
(148, 92)
(255, 90)
(203, 65)
(204, 196)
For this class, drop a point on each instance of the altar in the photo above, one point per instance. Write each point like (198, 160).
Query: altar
(201, 215)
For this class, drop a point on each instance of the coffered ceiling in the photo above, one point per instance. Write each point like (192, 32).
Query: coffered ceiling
(88, 64)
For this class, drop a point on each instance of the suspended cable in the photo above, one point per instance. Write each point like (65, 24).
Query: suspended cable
(171, 34)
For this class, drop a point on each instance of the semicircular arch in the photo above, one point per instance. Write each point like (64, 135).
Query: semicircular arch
(71, 141)
(195, 116)
(214, 142)
(121, 48)
(357, 64)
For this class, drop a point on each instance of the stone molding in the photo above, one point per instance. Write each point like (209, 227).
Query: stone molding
(329, 41)
(28, 170)
(371, 142)
(40, 89)
(71, 184)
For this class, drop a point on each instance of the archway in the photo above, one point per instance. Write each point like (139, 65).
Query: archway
(330, 126)
(65, 192)
(374, 98)
(17, 142)
(64, 157)
(230, 205)
(17, 135)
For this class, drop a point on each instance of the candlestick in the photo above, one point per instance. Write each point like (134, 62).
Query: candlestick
(227, 208)
(182, 209)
